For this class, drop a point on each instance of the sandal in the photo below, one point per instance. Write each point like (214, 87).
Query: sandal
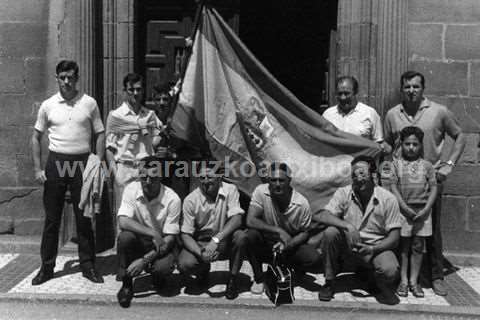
(417, 291)
(402, 290)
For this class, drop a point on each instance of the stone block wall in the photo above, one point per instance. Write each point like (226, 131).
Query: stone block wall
(32, 40)
(444, 44)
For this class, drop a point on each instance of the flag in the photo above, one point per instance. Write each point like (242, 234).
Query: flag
(232, 106)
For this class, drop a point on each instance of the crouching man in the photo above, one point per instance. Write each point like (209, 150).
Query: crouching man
(278, 220)
(364, 223)
(149, 222)
(210, 230)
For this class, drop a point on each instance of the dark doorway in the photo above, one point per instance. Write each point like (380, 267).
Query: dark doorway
(291, 38)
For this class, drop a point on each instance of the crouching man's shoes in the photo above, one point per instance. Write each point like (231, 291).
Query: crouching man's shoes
(92, 275)
(439, 288)
(327, 291)
(232, 289)
(42, 276)
(125, 296)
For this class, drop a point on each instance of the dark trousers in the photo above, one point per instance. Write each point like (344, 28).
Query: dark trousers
(53, 201)
(434, 243)
(302, 258)
(385, 264)
(233, 248)
(132, 246)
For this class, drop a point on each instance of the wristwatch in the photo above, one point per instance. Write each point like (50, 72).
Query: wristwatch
(216, 240)
(450, 163)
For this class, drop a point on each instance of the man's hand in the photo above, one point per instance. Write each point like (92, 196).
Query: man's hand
(421, 215)
(40, 176)
(443, 172)
(284, 236)
(278, 247)
(353, 236)
(365, 250)
(136, 267)
(158, 241)
(210, 251)
(410, 214)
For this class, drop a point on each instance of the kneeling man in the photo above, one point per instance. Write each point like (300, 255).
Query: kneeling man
(279, 218)
(364, 221)
(148, 217)
(210, 230)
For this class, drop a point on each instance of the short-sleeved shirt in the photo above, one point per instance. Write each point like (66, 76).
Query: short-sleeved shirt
(414, 179)
(296, 218)
(202, 218)
(70, 123)
(382, 213)
(119, 142)
(434, 119)
(362, 121)
(165, 208)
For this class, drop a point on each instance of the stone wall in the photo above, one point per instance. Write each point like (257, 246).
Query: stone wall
(444, 44)
(34, 36)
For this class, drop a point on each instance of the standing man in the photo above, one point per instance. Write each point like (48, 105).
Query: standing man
(435, 120)
(355, 117)
(363, 222)
(71, 119)
(149, 218)
(279, 219)
(212, 219)
(132, 134)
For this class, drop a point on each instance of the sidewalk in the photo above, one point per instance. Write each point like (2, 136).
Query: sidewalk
(18, 269)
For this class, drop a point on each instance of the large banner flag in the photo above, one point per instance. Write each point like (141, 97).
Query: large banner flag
(230, 104)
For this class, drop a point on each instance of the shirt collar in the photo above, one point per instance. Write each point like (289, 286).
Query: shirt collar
(340, 112)
(373, 199)
(61, 99)
(296, 196)
(126, 110)
(141, 196)
(221, 193)
(424, 104)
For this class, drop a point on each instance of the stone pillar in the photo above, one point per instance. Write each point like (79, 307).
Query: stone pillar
(118, 35)
(78, 31)
(372, 47)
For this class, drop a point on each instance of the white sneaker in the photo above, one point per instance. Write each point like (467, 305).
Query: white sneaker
(257, 288)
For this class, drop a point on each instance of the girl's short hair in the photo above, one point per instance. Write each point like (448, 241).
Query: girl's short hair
(411, 131)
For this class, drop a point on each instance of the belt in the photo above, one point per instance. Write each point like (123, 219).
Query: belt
(130, 163)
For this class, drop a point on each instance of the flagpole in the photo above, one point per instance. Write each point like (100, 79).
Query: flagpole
(196, 23)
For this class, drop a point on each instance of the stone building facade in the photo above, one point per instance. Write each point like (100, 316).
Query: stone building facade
(376, 40)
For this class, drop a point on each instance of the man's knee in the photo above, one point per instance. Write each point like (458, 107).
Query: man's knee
(253, 236)
(331, 234)
(386, 267)
(163, 267)
(240, 238)
(125, 239)
(187, 262)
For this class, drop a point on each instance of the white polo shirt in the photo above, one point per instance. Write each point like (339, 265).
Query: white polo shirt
(69, 123)
(165, 208)
(361, 121)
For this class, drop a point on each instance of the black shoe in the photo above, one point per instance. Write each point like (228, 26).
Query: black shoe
(203, 278)
(42, 276)
(158, 283)
(125, 296)
(232, 290)
(92, 275)
(386, 295)
(326, 292)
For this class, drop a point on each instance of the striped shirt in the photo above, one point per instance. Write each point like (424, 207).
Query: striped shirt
(414, 179)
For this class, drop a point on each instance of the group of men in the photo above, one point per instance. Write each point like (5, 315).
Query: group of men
(158, 233)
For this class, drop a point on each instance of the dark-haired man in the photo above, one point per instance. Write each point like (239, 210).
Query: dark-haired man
(212, 218)
(279, 219)
(363, 222)
(71, 119)
(436, 121)
(132, 134)
(148, 218)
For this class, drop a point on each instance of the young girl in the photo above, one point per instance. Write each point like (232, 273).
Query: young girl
(415, 187)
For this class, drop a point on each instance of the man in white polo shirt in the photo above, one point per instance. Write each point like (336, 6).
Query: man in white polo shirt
(148, 217)
(71, 119)
(353, 116)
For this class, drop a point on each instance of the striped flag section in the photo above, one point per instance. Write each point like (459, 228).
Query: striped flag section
(233, 107)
